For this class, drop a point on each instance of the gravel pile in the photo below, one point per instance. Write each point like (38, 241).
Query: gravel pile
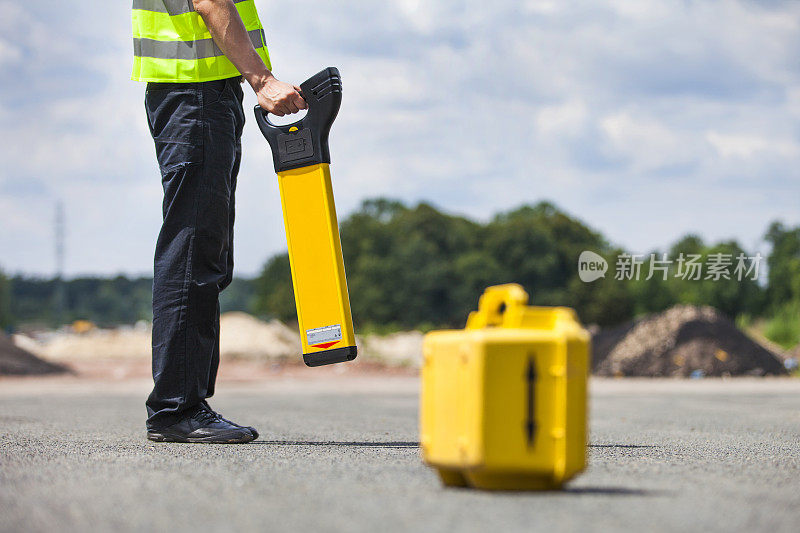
(14, 361)
(682, 341)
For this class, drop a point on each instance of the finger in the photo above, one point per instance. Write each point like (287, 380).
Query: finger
(288, 103)
(277, 111)
(267, 105)
(299, 102)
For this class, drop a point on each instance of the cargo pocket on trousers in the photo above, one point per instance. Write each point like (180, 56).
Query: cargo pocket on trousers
(175, 120)
(175, 154)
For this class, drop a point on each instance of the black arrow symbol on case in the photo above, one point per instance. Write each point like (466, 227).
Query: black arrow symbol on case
(530, 423)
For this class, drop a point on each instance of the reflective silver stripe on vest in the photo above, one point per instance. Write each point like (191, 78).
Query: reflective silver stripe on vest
(199, 49)
(173, 7)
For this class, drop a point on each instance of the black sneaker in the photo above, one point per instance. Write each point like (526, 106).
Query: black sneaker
(202, 426)
(204, 403)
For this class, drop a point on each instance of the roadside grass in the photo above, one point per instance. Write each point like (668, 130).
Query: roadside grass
(783, 327)
(779, 333)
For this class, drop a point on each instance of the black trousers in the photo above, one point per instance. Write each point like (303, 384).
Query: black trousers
(197, 129)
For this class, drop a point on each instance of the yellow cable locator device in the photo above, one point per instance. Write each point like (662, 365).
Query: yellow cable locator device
(301, 157)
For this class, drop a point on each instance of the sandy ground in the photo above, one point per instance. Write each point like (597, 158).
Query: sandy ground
(339, 453)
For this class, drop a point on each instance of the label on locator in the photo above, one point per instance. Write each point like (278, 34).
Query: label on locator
(325, 334)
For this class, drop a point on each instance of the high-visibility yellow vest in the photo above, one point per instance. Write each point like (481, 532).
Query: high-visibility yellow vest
(172, 44)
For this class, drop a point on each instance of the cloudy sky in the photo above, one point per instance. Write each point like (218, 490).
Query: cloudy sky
(647, 119)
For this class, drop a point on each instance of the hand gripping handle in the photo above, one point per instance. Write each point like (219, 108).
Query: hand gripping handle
(305, 142)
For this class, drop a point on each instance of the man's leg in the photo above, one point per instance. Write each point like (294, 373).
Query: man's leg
(196, 128)
(239, 96)
(215, 361)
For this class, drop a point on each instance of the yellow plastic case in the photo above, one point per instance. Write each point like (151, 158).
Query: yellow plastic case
(503, 402)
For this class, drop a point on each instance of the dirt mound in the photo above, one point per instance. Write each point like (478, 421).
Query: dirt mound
(128, 342)
(682, 341)
(18, 362)
(242, 336)
(403, 348)
(247, 337)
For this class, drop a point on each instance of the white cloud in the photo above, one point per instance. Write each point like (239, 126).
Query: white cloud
(9, 54)
(619, 111)
(647, 142)
(566, 118)
(748, 146)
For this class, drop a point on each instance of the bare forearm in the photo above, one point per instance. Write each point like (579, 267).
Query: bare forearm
(226, 27)
(228, 31)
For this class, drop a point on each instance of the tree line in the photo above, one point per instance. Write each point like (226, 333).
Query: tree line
(415, 266)
(419, 267)
(31, 302)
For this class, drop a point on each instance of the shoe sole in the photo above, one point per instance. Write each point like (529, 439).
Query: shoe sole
(235, 438)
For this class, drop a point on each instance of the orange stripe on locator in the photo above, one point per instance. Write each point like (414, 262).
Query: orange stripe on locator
(324, 344)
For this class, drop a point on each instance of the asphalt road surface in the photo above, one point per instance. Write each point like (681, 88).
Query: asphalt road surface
(341, 455)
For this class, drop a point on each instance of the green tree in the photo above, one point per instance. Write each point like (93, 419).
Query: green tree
(275, 295)
(238, 296)
(412, 266)
(538, 246)
(732, 296)
(783, 288)
(685, 290)
(418, 266)
(5, 301)
(105, 301)
(784, 265)
(402, 264)
(606, 301)
(726, 292)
